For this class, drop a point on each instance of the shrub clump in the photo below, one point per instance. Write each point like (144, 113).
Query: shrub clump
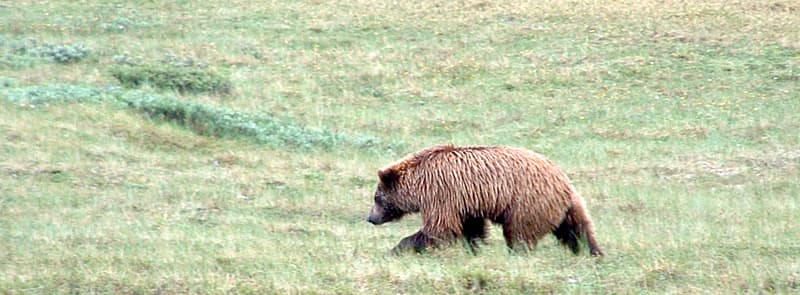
(54, 93)
(24, 50)
(65, 54)
(220, 122)
(200, 118)
(182, 79)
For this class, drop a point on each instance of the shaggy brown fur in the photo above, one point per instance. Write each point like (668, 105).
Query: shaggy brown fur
(457, 189)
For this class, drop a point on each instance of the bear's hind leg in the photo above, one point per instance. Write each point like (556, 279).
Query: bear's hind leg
(517, 239)
(522, 228)
(577, 226)
(566, 234)
(475, 230)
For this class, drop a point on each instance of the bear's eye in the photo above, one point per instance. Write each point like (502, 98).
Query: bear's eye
(380, 198)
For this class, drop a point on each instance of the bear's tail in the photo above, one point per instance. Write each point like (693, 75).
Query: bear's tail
(577, 226)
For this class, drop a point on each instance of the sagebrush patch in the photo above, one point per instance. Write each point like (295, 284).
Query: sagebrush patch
(182, 79)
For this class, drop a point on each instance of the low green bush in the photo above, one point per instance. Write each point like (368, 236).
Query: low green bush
(64, 54)
(54, 93)
(23, 53)
(182, 79)
(220, 122)
(202, 119)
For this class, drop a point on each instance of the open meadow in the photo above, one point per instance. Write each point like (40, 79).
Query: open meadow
(209, 147)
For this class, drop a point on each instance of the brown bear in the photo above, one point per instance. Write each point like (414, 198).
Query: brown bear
(457, 189)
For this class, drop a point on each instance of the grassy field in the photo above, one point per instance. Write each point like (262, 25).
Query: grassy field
(171, 147)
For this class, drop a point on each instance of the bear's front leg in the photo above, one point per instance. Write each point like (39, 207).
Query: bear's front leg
(417, 242)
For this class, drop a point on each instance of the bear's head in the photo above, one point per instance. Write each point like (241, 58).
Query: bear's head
(387, 205)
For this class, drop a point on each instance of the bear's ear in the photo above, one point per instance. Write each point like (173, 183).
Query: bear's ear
(389, 176)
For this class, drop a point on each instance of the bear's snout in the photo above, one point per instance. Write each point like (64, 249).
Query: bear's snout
(376, 215)
(373, 220)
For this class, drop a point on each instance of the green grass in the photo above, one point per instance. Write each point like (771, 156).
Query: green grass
(677, 121)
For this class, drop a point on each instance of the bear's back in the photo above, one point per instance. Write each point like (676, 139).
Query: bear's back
(485, 177)
(480, 158)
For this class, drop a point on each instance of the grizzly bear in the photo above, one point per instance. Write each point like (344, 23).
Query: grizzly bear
(459, 189)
